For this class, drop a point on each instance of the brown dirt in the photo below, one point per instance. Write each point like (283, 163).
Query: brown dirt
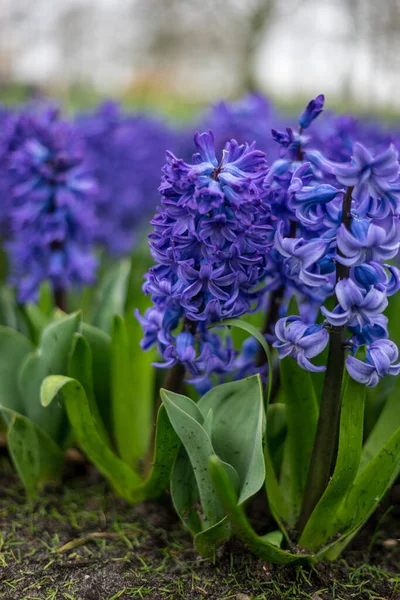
(115, 551)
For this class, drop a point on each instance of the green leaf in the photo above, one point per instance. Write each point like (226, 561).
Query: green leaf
(50, 358)
(36, 457)
(302, 416)
(237, 429)
(387, 424)
(132, 396)
(166, 447)
(46, 299)
(185, 493)
(277, 502)
(276, 432)
(120, 475)
(36, 320)
(80, 368)
(8, 309)
(259, 337)
(207, 541)
(199, 448)
(14, 347)
(123, 479)
(260, 545)
(322, 524)
(237, 440)
(143, 381)
(111, 296)
(368, 489)
(100, 348)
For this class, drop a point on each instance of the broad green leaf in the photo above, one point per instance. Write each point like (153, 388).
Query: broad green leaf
(140, 262)
(50, 358)
(143, 382)
(166, 447)
(237, 429)
(100, 348)
(274, 537)
(46, 299)
(111, 296)
(132, 396)
(386, 426)
(277, 502)
(323, 522)
(185, 493)
(207, 541)
(23, 447)
(392, 312)
(276, 432)
(260, 545)
(302, 416)
(123, 479)
(121, 476)
(14, 347)
(80, 368)
(8, 309)
(36, 320)
(36, 457)
(368, 489)
(199, 448)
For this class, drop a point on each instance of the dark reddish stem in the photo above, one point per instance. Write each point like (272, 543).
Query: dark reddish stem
(60, 299)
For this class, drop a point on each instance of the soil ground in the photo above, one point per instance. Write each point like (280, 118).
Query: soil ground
(80, 542)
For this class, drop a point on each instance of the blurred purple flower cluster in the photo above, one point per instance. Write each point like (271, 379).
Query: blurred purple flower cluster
(125, 153)
(47, 201)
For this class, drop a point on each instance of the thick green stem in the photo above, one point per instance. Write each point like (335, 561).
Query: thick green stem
(325, 446)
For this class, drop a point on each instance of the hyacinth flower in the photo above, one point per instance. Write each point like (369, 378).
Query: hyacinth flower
(301, 341)
(125, 153)
(306, 202)
(50, 206)
(210, 240)
(381, 355)
(356, 254)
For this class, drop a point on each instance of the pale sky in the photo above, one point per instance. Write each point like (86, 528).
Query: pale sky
(307, 52)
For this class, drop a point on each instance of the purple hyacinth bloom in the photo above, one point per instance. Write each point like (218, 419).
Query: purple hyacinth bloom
(51, 206)
(370, 333)
(368, 241)
(311, 112)
(212, 233)
(371, 176)
(126, 153)
(210, 241)
(308, 199)
(367, 275)
(355, 307)
(301, 341)
(380, 357)
(301, 258)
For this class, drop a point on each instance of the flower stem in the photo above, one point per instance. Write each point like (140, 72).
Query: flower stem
(174, 378)
(60, 299)
(325, 446)
(271, 318)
